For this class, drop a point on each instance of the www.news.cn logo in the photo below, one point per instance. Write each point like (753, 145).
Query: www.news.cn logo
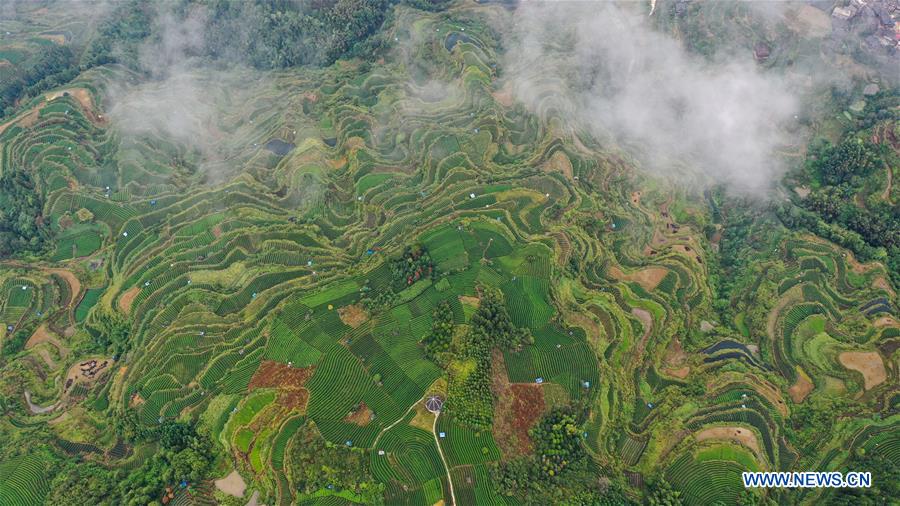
(807, 480)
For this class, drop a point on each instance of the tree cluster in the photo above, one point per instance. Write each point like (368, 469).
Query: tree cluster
(21, 225)
(184, 455)
(559, 471)
(414, 264)
(470, 398)
(317, 464)
(437, 342)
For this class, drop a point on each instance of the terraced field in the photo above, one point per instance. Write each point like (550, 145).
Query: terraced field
(267, 298)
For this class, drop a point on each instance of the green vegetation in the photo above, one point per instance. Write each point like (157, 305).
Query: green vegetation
(596, 335)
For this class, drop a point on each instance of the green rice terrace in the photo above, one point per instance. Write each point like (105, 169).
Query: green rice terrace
(379, 293)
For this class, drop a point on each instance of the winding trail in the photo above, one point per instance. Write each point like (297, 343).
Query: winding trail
(441, 453)
(391, 426)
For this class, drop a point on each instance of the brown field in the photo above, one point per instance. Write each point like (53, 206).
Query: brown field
(71, 279)
(647, 321)
(807, 20)
(353, 315)
(648, 278)
(232, 484)
(504, 95)
(127, 299)
(801, 388)
(361, 416)
(680, 373)
(57, 38)
(470, 301)
(43, 335)
(882, 283)
(741, 435)
(273, 374)
(423, 419)
(76, 374)
(559, 162)
(519, 406)
(884, 321)
(868, 363)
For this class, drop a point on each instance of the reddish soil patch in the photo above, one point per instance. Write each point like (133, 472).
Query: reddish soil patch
(647, 321)
(868, 363)
(136, 400)
(648, 278)
(504, 95)
(636, 198)
(882, 283)
(57, 38)
(71, 279)
(289, 380)
(273, 374)
(469, 300)
(43, 335)
(559, 162)
(361, 416)
(353, 315)
(801, 388)
(680, 373)
(127, 299)
(739, 434)
(217, 231)
(519, 406)
(884, 321)
(295, 398)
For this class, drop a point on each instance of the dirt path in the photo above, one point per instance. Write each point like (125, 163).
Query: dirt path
(441, 453)
(34, 408)
(391, 426)
(868, 363)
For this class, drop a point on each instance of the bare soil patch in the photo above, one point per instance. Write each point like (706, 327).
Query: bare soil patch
(83, 96)
(680, 373)
(273, 374)
(86, 371)
(45, 355)
(647, 321)
(360, 416)
(71, 279)
(885, 321)
(504, 95)
(881, 283)
(807, 20)
(648, 278)
(56, 38)
(868, 363)
(519, 406)
(423, 419)
(127, 299)
(233, 484)
(470, 301)
(217, 231)
(353, 315)
(30, 119)
(636, 198)
(740, 435)
(559, 162)
(136, 400)
(289, 380)
(801, 388)
(43, 335)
